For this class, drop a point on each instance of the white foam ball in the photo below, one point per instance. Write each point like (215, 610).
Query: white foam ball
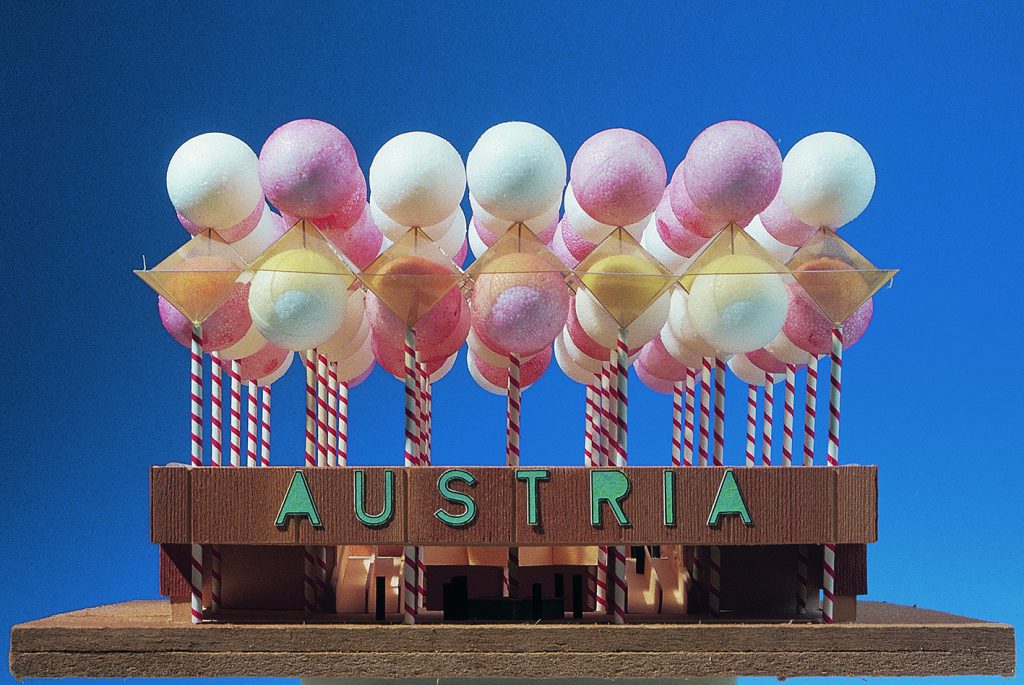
(569, 366)
(651, 241)
(747, 372)
(827, 179)
(604, 330)
(295, 301)
(499, 226)
(474, 372)
(682, 328)
(582, 359)
(450, 241)
(417, 179)
(738, 307)
(213, 180)
(355, 364)
(589, 228)
(445, 368)
(394, 230)
(780, 250)
(476, 243)
(516, 171)
(678, 351)
(786, 351)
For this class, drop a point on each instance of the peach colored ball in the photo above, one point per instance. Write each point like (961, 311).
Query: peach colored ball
(733, 170)
(783, 226)
(653, 382)
(811, 331)
(529, 372)
(308, 168)
(517, 311)
(618, 176)
(359, 242)
(431, 330)
(392, 359)
(656, 359)
(225, 327)
(673, 233)
(262, 362)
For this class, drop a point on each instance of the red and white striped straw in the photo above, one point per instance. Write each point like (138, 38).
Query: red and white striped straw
(421, 387)
(588, 427)
(410, 565)
(810, 410)
(321, 410)
(513, 410)
(606, 414)
(420, 371)
(216, 410)
(677, 423)
(621, 400)
(688, 407)
(751, 423)
(829, 583)
(343, 423)
(787, 416)
(428, 415)
(196, 442)
(705, 411)
(310, 408)
(265, 426)
(719, 454)
(801, 579)
(235, 374)
(332, 415)
(767, 419)
(715, 580)
(835, 390)
(251, 436)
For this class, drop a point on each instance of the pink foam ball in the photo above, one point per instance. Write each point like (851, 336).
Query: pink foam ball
(577, 246)
(618, 176)
(262, 362)
(558, 248)
(392, 359)
(457, 335)
(308, 168)
(529, 372)
(431, 330)
(358, 380)
(488, 237)
(232, 233)
(520, 307)
(584, 342)
(673, 233)
(277, 373)
(733, 170)
(227, 325)
(270, 227)
(783, 226)
(359, 242)
(656, 359)
(764, 360)
(687, 213)
(460, 256)
(811, 331)
(568, 365)
(658, 385)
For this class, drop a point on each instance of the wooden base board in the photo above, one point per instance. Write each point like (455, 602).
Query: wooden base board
(139, 639)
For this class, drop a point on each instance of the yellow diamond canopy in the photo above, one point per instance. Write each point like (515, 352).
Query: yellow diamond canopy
(197, 277)
(518, 240)
(732, 251)
(836, 277)
(623, 277)
(411, 276)
(304, 235)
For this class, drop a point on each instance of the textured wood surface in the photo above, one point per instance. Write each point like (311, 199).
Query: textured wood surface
(788, 506)
(138, 639)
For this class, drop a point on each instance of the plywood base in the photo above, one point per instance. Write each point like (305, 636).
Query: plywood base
(139, 639)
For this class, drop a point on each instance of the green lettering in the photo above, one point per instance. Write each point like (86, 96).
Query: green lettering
(298, 502)
(359, 499)
(532, 477)
(608, 486)
(443, 487)
(729, 500)
(669, 507)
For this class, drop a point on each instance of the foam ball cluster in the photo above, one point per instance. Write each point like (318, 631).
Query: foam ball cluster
(520, 304)
(417, 179)
(213, 181)
(740, 306)
(811, 331)
(827, 179)
(516, 171)
(296, 300)
(618, 176)
(309, 169)
(732, 170)
(226, 326)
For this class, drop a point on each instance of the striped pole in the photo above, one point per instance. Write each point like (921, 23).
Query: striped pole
(767, 419)
(606, 409)
(428, 415)
(787, 416)
(343, 423)
(216, 410)
(719, 431)
(596, 410)
(321, 410)
(691, 380)
(677, 423)
(801, 580)
(251, 393)
(309, 553)
(332, 415)
(419, 370)
(421, 386)
(835, 387)
(715, 580)
(235, 374)
(512, 434)
(705, 410)
(409, 567)
(588, 427)
(810, 410)
(621, 402)
(265, 426)
(196, 453)
(751, 423)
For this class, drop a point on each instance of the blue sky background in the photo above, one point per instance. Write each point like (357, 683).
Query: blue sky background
(95, 101)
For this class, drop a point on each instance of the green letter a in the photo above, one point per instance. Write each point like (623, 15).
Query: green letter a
(729, 500)
(298, 502)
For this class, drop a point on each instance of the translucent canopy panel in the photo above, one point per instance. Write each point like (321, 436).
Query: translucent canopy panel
(304, 238)
(623, 277)
(519, 251)
(197, 277)
(733, 250)
(411, 276)
(836, 277)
